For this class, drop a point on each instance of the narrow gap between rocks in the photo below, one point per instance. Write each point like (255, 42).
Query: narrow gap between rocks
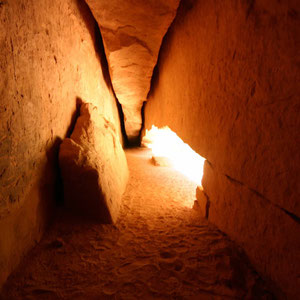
(128, 224)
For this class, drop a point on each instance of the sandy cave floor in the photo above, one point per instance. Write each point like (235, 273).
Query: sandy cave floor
(160, 248)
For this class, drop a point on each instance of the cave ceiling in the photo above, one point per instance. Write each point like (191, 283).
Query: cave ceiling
(132, 32)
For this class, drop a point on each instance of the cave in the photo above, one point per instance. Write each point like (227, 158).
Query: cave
(90, 208)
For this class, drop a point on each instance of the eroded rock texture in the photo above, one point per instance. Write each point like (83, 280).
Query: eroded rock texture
(47, 61)
(132, 32)
(228, 84)
(94, 167)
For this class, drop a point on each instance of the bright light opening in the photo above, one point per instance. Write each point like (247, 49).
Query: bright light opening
(167, 144)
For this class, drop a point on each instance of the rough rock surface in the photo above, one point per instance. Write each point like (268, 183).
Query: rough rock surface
(159, 249)
(202, 202)
(132, 32)
(47, 61)
(94, 167)
(270, 237)
(228, 84)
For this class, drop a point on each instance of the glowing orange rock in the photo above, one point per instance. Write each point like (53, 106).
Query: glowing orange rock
(132, 33)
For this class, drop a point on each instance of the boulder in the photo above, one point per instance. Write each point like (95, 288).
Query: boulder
(93, 167)
(132, 33)
(202, 202)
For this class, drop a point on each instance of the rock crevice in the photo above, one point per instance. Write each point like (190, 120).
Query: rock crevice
(132, 33)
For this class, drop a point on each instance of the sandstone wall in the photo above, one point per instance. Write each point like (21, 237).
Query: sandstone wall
(132, 32)
(227, 83)
(48, 60)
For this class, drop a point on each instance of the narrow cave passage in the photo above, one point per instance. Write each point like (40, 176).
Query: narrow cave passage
(75, 76)
(158, 249)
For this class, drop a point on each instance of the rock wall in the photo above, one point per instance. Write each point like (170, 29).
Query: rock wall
(227, 83)
(93, 167)
(48, 61)
(132, 33)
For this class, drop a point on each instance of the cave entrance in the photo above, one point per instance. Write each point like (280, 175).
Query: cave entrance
(168, 149)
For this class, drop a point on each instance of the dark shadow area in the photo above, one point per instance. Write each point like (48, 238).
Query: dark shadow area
(99, 46)
(53, 159)
(133, 142)
(293, 216)
(122, 124)
(87, 17)
(74, 117)
(50, 186)
(138, 140)
(155, 76)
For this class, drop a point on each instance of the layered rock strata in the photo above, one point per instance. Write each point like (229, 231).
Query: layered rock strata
(132, 33)
(94, 167)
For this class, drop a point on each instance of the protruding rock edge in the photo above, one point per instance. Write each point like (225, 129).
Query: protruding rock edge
(89, 161)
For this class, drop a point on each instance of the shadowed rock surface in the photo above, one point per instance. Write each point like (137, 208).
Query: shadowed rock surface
(132, 33)
(94, 167)
(159, 249)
